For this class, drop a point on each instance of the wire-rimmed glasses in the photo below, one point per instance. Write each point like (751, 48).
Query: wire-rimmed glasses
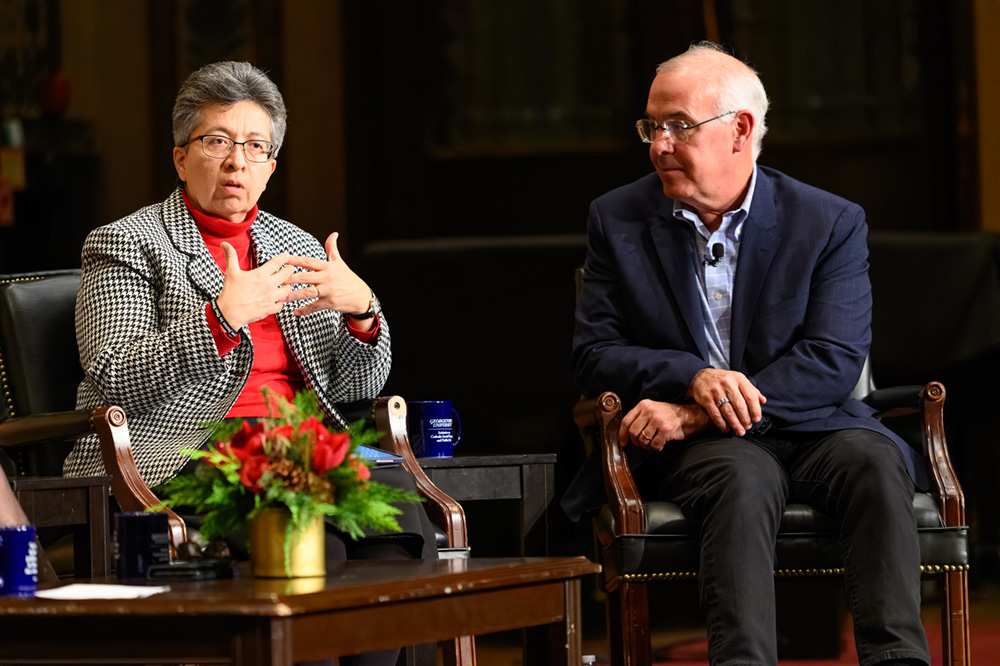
(678, 130)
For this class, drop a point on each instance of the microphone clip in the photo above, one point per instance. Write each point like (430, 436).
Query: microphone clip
(718, 251)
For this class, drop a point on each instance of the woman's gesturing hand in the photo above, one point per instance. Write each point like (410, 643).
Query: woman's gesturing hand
(248, 296)
(332, 283)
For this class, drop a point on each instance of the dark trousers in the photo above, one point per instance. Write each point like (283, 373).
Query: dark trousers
(736, 490)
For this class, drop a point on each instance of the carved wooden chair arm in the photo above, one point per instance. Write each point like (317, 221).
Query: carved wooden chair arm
(446, 513)
(111, 426)
(948, 490)
(604, 414)
(127, 485)
(928, 402)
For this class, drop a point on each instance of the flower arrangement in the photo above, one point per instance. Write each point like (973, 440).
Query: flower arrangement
(290, 460)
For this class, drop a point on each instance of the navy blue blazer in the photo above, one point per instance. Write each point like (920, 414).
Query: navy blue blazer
(801, 318)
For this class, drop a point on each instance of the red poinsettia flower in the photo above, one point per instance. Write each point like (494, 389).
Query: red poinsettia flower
(247, 441)
(329, 449)
(253, 468)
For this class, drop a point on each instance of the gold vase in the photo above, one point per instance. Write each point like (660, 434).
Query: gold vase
(307, 556)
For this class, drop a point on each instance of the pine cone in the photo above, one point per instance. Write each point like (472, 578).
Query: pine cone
(290, 474)
(320, 487)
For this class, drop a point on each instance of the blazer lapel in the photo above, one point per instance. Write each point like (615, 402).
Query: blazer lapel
(758, 246)
(202, 270)
(672, 240)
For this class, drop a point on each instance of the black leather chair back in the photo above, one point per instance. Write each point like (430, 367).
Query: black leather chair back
(39, 360)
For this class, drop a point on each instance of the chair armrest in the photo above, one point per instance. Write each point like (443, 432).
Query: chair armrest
(40, 428)
(928, 402)
(127, 484)
(111, 426)
(948, 490)
(446, 513)
(886, 401)
(605, 415)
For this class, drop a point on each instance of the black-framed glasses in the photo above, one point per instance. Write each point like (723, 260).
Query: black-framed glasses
(677, 130)
(219, 147)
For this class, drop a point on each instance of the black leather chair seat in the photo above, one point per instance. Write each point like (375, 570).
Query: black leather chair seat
(807, 543)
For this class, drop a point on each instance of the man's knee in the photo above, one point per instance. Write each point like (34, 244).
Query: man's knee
(870, 467)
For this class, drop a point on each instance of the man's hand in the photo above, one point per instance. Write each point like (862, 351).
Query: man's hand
(248, 296)
(334, 285)
(652, 424)
(740, 400)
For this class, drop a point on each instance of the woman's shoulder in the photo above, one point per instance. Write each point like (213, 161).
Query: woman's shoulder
(145, 223)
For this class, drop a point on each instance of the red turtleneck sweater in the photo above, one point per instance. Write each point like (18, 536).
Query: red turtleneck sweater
(273, 363)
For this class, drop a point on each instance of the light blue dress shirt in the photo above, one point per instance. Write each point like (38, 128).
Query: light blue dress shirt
(715, 283)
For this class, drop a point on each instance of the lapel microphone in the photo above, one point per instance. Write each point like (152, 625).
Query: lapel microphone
(718, 251)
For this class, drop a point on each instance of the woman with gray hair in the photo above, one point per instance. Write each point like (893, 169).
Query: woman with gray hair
(189, 307)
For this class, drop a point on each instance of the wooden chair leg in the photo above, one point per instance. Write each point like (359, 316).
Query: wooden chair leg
(628, 626)
(464, 654)
(955, 619)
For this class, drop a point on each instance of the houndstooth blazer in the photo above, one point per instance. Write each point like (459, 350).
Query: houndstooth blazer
(145, 343)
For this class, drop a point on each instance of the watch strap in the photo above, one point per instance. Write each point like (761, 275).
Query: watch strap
(373, 309)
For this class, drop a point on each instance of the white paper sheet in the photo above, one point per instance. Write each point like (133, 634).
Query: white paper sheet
(97, 591)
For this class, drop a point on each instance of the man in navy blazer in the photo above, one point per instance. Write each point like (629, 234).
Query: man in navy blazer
(729, 306)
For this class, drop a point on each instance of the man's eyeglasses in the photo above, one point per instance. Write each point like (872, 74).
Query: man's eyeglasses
(219, 147)
(677, 130)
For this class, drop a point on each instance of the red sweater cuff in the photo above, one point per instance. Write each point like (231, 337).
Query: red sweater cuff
(368, 336)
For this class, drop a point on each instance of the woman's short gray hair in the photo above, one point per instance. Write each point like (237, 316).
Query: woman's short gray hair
(227, 83)
(739, 87)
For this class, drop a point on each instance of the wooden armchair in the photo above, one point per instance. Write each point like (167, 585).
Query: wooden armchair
(653, 543)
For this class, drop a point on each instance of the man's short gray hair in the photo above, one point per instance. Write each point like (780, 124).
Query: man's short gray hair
(227, 83)
(739, 87)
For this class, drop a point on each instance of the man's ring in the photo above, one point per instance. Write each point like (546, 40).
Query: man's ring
(720, 403)
(644, 437)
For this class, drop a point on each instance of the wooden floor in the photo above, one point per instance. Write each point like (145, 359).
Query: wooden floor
(504, 649)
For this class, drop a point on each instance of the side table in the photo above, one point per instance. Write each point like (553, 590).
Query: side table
(528, 478)
(77, 503)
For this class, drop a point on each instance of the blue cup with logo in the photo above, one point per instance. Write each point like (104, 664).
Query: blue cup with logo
(18, 561)
(434, 426)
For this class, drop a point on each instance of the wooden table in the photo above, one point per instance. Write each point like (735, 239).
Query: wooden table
(358, 607)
